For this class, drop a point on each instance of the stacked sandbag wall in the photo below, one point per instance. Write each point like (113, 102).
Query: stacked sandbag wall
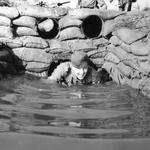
(32, 37)
(37, 36)
(128, 57)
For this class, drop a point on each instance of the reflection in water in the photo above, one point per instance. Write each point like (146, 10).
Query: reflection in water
(27, 105)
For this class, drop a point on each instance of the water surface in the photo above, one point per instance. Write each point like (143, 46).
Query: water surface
(110, 111)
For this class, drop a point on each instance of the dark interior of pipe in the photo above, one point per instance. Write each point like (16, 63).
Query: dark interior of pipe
(92, 26)
(49, 35)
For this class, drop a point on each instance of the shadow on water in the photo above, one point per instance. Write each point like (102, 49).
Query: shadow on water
(27, 105)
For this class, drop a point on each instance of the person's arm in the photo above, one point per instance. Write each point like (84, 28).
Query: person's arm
(59, 72)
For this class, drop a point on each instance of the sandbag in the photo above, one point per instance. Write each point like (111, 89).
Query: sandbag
(33, 42)
(55, 46)
(41, 12)
(138, 58)
(114, 73)
(12, 43)
(117, 42)
(46, 25)
(88, 3)
(71, 33)
(82, 13)
(33, 55)
(134, 83)
(134, 64)
(108, 27)
(10, 12)
(69, 21)
(81, 45)
(5, 21)
(98, 53)
(129, 36)
(6, 32)
(145, 65)
(98, 62)
(36, 67)
(60, 12)
(144, 86)
(125, 70)
(110, 57)
(25, 21)
(140, 48)
(119, 52)
(25, 31)
(100, 42)
(7, 68)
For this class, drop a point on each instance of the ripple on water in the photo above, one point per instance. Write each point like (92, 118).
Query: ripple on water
(27, 105)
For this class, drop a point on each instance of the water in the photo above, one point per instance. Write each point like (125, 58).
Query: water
(29, 106)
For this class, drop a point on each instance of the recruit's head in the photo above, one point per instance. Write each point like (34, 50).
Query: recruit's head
(80, 65)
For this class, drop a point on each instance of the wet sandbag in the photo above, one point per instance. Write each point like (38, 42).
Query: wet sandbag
(140, 48)
(46, 25)
(108, 27)
(33, 42)
(135, 65)
(6, 32)
(5, 21)
(110, 57)
(25, 21)
(125, 70)
(144, 86)
(81, 45)
(25, 31)
(32, 55)
(114, 73)
(129, 36)
(56, 46)
(37, 67)
(10, 12)
(12, 43)
(71, 33)
(69, 21)
(41, 12)
(134, 83)
(7, 68)
(82, 13)
(5, 55)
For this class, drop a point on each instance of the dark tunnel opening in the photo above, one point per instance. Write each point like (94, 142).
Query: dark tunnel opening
(51, 34)
(92, 26)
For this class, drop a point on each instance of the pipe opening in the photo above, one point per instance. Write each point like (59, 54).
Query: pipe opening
(92, 26)
(48, 28)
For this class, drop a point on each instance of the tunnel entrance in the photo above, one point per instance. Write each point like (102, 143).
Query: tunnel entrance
(92, 26)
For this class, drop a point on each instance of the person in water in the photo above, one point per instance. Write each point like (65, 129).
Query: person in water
(77, 71)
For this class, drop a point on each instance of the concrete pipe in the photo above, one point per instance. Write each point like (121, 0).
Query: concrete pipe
(48, 28)
(92, 26)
